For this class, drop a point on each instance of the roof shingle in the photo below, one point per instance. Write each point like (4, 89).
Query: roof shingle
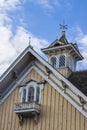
(79, 79)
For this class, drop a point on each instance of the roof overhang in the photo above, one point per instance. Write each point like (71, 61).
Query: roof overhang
(56, 42)
(69, 47)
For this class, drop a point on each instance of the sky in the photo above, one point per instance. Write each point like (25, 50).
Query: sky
(40, 19)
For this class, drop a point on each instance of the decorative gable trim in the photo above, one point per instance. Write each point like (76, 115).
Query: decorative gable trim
(56, 42)
(64, 46)
(56, 80)
(14, 87)
(14, 64)
(57, 84)
(67, 94)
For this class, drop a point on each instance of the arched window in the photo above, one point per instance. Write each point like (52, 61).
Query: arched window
(37, 94)
(24, 96)
(53, 61)
(62, 61)
(31, 94)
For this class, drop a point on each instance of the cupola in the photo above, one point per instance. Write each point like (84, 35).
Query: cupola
(63, 55)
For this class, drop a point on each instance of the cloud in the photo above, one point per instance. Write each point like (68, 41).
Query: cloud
(84, 40)
(82, 43)
(43, 3)
(5, 19)
(21, 40)
(12, 45)
(9, 4)
(47, 4)
(76, 35)
(7, 52)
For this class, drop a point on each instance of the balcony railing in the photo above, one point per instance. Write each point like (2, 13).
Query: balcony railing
(27, 107)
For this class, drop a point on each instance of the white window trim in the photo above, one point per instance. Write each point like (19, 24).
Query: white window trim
(59, 60)
(72, 63)
(21, 92)
(52, 57)
(34, 85)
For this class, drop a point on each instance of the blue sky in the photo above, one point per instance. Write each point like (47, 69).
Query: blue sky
(40, 19)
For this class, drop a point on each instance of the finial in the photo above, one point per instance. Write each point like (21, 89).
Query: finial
(63, 27)
(30, 42)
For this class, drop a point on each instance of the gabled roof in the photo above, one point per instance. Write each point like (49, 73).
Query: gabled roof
(63, 39)
(29, 60)
(61, 44)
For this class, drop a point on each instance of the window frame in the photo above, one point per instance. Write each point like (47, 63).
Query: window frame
(37, 94)
(53, 65)
(23, 98)
(34, 85)
(31, 94)
(64, 60)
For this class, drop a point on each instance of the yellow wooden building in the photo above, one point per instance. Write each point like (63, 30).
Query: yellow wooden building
(36, 94)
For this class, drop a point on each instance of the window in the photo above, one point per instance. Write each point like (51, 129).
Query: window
(70, 62)
(37, 94)
(24, 95)
(53, 61)
(31, 94)
(62, 61)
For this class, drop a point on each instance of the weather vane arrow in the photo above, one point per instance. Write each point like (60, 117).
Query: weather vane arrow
(63, 27)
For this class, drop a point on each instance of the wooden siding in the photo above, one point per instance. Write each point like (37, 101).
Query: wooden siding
(65, 71)
(56, 112)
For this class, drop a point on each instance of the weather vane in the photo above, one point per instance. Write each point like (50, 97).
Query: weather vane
(63, 27)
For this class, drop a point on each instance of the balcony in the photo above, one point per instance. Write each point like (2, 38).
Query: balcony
(27, 109)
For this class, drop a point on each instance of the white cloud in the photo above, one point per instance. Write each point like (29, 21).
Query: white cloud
(47, 4)
(7, 52)
(8, 4)
(44, 3)
(12, 45)
(21, 40)
(81, 38)
(82, 42)
(4, 19)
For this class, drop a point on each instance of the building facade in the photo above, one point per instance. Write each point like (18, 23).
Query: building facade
(40, 95)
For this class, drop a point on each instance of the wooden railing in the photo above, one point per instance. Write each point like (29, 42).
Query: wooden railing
(26, 109)
(27, 106)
